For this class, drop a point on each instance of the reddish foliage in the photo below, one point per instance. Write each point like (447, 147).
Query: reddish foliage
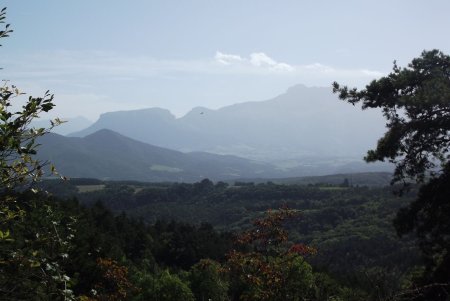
(266, 270)
(114, 284)
(268, 231)
(302, 249)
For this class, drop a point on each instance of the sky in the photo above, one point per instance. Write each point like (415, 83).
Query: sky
(100, 56)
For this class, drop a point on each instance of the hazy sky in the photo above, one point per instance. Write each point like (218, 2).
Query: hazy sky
(99, 55)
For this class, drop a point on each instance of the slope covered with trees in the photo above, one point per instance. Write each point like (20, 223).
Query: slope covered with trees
(109, 155)
(351, 227)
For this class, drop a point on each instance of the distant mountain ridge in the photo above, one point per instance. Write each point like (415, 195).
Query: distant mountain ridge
(302, 122)
(111, 156)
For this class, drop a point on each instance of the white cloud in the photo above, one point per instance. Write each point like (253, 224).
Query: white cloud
(227, 59)
(260, 59)
(82, 68)
(256, 61)
(261, 63)
(283, 67)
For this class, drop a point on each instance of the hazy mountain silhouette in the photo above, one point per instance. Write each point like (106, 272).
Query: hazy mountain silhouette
(303, 122)
(109, 155)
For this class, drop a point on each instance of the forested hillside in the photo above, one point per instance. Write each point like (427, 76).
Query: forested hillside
(351, 227)
(109, 155)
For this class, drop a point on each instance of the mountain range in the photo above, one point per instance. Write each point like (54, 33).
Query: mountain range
(111, 156)
(305, 123)
(303, 132)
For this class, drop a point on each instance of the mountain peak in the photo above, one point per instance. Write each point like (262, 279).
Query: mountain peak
(301, 89)
(295, 88)
(102, 133)
(196, 113)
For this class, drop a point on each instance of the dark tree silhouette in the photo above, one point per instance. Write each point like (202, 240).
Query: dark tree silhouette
(416, 103)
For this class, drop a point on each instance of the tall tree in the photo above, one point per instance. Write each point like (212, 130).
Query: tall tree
(416, 103)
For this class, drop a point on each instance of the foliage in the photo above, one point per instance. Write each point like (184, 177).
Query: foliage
(429, 216)
(208, 282)
(32, 262)
(34, 238)
(6, 30)
(18, 140)
(327, 288)
(140, 247)
(114, 284)
(351, 227)
(132, 245)
(270, 270)
(170, 287)
(416, 103)
(183, 245)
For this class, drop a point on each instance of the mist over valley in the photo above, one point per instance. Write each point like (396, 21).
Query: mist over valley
(305, 131)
